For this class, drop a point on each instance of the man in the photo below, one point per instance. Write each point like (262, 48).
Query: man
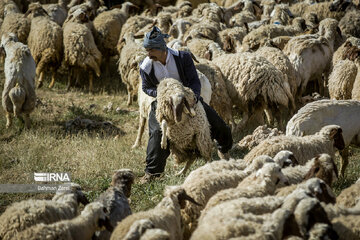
(163, 62)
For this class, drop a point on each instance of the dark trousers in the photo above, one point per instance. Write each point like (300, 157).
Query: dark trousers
(156, 156)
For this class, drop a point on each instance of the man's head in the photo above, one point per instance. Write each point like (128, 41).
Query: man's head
(155, 44)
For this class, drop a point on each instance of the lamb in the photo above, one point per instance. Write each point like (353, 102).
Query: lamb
(204, 182)
(349, 197)
(187, 131)
(165, 216)
(303, 148)
(314, 116)
(17, 24)
(18, 96)
(80, 51)
(250, 82)
(311, 54)
(115, 199)
(256, 38)
(22, 215)
(107, 27)
(258, 184)
(92, 218)
(45, 42)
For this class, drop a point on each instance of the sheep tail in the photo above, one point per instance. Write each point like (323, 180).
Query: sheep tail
(46, 57)
(17, 96)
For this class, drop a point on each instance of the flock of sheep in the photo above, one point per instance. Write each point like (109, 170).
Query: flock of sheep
(263, 60)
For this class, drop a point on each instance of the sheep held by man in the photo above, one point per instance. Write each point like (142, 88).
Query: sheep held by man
(18, 96)
(183, 121)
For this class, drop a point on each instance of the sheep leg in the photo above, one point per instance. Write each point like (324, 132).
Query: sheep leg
(243, 121)
(142, 122)
(27, 121)
(91, 77)
(187, 166)
(129, 101)
(163, 136)
(269, 116)
(8, 120)
(51, 85)
(344, 161)
(71, 73)
(41, 79)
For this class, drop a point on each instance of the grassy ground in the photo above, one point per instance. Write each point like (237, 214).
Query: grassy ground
(90, 158)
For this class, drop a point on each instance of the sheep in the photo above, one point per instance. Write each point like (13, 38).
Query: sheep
(260, 134)
(204, 182)
(346, 51)
(341, 80)
(204, 48)
(80, 51)
(131, 55)
(231, 39)
(256, 38)
(92, 218)
(251, 11)
(251, 82)
(311, 54)
(45, 42)
(349, 24)
(165, 216)
(88, 6)
(4, 3)
(347, 227)
(349, 196)
(132, 25)
(115, 199)
(57, 12)
(322, 166)
(172, 97)
(18, 95)
(314, 116)
(258, 184)
(281, 14)
(155, 234)
(17, 24)
(22, 215)
(304, 148)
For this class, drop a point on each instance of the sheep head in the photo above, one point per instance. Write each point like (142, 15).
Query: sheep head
(324, 168)
(178, 194)
(334, 133)
(285, 158)
(36, 10)
(272, 172)
(351, 52)
(123, 178)
(231, 11)
(99, 214)
(318, 189)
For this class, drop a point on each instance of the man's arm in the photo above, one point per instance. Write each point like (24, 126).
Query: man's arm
(147, 86)
(191, 75)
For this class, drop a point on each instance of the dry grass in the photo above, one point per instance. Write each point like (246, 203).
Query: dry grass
(89, 158)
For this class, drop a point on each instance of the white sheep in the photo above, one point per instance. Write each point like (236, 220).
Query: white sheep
(92, 218)
(314, 116)
(349, 197)
(45, 42)
(115, 199)
(18, 96)
(80, 51)
(183, 122)
(254, 85)
(165, 216)
(258, 184)
(327, 140)
(22, 215)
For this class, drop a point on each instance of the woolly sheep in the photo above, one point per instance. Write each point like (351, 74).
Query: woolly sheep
(16, 23)
(3, 4)
(133, 25)
(131, 55)
(80, 51)
(45, 42)
(172, 97)
(327, 140)
(22, 215)
(347, 50)
(231, 39)
(165, 216)
(258, 184)
(349, 196)
(251, 82)
(311, 54)
(18, 96)
(57, 12)
(115, 199)
(349, 24)
(347, 227)
(92, 218)
(314, 116)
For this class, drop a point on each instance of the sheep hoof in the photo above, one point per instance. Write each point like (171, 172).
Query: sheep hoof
(163, 144)
(136, 145)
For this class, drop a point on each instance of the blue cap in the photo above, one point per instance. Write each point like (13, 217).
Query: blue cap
(155, 39)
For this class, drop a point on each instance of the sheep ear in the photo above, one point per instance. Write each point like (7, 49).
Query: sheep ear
(315, 169)
(336, 134)
(184, 196)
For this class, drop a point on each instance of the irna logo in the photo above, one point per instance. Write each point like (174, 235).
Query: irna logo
(51, 177)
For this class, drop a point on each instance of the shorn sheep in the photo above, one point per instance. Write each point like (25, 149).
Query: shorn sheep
(327, 140)
(92, 218)
(314, 116)
(165, 216)
(183, 122)
(80, 51)
(18, 96)
(22, 215)
(45, 42)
